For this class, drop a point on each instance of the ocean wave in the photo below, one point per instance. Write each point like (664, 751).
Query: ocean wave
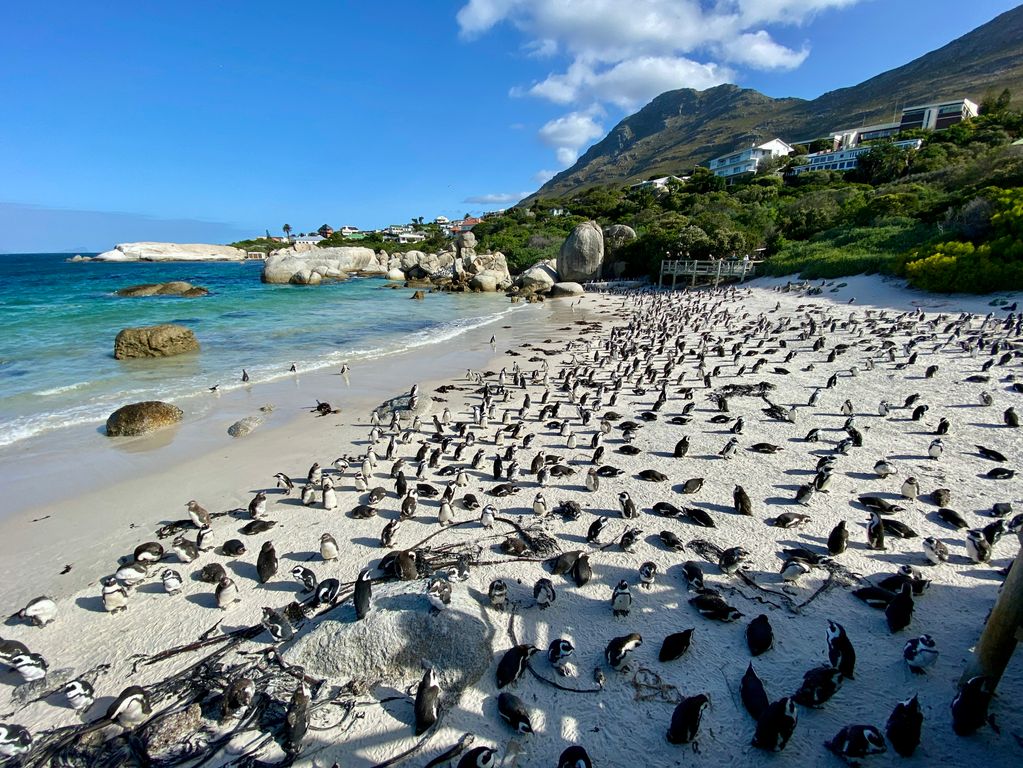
(61, 390)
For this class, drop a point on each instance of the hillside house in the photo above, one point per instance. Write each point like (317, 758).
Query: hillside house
(748, 160)
(845, 159)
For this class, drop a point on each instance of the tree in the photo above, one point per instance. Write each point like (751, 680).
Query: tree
(884, 162)
(287, 231)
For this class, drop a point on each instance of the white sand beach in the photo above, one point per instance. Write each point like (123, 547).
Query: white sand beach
(359, 671)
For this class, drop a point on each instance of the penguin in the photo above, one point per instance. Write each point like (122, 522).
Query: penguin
(647, 574)
(935, 550)
(389, 533)
(793, 569)
(875, 532)
(621, 599)
(80, 694)
(732, 559)
(233, 548)
(910, 488)
(592, 480)
(197, 514)
(326, 592)
(226, 593)
(487, 516)
(619, 649)
(40, 611)
(362, 595)
(841, 653)
(776, 725)
(148, 553)
(513, 711)
(427, 702)
(266, 562)
(115, 597)
(513, 664)
(675, 645)
(15, 740)
(329, 549)
(284, 482)
(574, 757)
(713, 606)
(30, 666)
(970, 705)
(884, 468)
(904, 726)
(759, 635)
(130, 708)
(936, 448)
(171, 581)
(978, 547)
(438, 591)
(595, 530)
(752, 693)
(479, 757)
(277, 625)
(257, 507)
(582, 572)
(296, 720)
(498, 594)
(558, 654)
(899, 612)
(741, 499)
(920, 653)
(185, 550)
(685, 720)
(855, 741)
(543, 592)
(627, 506)
(237, 697)
(818, 686)
(305, 577)
(540, 505)
(629, 539)
(838, 539)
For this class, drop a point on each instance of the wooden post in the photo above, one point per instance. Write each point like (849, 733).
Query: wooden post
(717, 275)
(1002, 631)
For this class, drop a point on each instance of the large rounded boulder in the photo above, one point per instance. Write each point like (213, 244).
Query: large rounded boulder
(154, 341)
(539, 277)
(142, 418)
(582, 253)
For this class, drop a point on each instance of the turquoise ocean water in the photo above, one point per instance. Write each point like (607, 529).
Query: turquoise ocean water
(58, 321)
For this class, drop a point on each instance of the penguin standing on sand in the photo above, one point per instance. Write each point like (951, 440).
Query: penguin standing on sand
(266, 562)
(900, 610)
(776, 725)
(130, 708)
(513, 664)
(904, 726)
(115, 597)
(558, 654)
(79, 694)
(685, 720)
(838, 539)
(427, 701)
(840, 650)
(619, 649)
(329, 549)
(621, 599)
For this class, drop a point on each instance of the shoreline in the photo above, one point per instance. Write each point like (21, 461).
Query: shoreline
(137, 467)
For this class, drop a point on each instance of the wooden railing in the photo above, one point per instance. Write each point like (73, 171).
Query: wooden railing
(714, 270)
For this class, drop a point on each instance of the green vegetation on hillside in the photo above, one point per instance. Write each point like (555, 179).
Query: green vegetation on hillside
(435, 241)
(948, 216)
(258, 245)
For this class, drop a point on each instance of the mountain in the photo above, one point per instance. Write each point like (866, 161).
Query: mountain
(683, 128)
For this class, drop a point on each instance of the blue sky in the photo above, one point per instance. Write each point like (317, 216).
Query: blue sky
(199, 121)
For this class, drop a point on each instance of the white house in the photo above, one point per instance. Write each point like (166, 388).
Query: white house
(411, 237)
(845, 159)
(307, 239)
(348, 229)
(748, 160)
(442, 220)
(934, 117)
(658, 184)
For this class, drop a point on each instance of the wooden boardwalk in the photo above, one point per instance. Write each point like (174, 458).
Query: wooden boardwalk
(714, 271)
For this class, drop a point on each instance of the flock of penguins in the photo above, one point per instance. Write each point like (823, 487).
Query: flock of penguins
(667, 354)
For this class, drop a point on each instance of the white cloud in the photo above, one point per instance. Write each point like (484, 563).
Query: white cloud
(544, 175)
(626, 52)
(567, 134)
(495, 198)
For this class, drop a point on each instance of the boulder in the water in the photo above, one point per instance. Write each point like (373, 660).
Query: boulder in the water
(154, 341)
(142, 418)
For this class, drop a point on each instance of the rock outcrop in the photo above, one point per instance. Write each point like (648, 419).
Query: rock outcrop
(539, 278)
(173, 288)
(290, 266)
(171, 252)
(566, 289)
(245, 426)
(154, 341)
(397, 637)
(142, 418)
(582, 253)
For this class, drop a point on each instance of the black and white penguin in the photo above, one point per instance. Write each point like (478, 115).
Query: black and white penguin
(211, 573)
(226, 593)
(627, 506)
(277, 625)
(970, 706)
(438, 592)
(776, 725)
(875, 532)
(920, 653)
(266, 562)
(148, 553)
(595, 529)
(327, 592)
(752, 693)
(29, 666)
(130, 708)
(574, 757)
(647, 574)
(621, 599)
(855, 741)
(479, 757)
(693, 575)
(498, 594)
(186, 551)
(732, 559)
(841, 653)
(675, 645)
(713, 606)
(257, 507)
(427, 702)
(79, 694)
(115, 597)
(237, 697)
(685, 720)
(305, 577)
(233, 548)
(513, 711)
(198, 514)
(513, 664)
(759, 635)
(741, 500)
(978, 547)
(935, 550)
(329, 549)
(618, 650)
(296, 720)
(904, 726)
(15, 740)
(40, 611)
(171, 581)
(543, 592)
(284, 482)
(838, 539)
(819, 685)
(899, 612)
(131, 574)
(558, 654)
(363, 594)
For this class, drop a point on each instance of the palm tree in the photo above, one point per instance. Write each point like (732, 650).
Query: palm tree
(287, 231)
